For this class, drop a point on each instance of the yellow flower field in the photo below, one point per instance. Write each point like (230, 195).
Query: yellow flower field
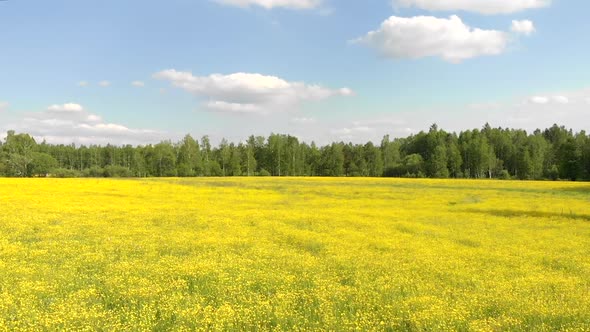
(294, 254)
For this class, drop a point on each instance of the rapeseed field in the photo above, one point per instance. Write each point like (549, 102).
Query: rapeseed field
(250, 254)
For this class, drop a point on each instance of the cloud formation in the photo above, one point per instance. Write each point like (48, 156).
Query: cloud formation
(540, 111)
(373, 129)
(302, 120)
(428, 36)
(82, 84)
(69, 107)
(3, 106)
(543, 100)
(270, 4)
(104, 84)
(71, 123)
(138, 84)
(524, 27)
(488, 7)
(568, 108)
(246, 93)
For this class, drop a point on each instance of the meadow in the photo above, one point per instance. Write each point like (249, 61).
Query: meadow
(335, 254)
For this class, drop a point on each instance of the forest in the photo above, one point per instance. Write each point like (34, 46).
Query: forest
(554, 153)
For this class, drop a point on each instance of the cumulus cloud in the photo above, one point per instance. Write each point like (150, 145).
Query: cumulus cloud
(428, 36)
(71, 123)
(542, 110)
(245, 93)
(542, 100)
(539, 100)
(373, 129)
(568, 108)
(302, 120)
(233, 107)
(82, 84)
(524, 27)
(346, 131)
(349, 133)
(69, 107)
(104, 83)
(488, 7)
(93, 118)
(270, 4)
(138, 84)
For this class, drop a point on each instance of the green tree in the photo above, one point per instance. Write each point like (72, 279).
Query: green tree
(454, 157)
(225, 156)
(570, 160)
(20, 148)
(163, 159)
(206, 152)
(189, 158)
(332, 157)
(439, 162)
(276, 149)
(250, 154)
(42, 164)
(373, 159)
(390, 152)
(414, 165)
(235, 161)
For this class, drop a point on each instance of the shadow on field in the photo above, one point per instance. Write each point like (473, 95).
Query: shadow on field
(535, 214)
(577, 190)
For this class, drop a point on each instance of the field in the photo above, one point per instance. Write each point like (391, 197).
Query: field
(294, 254)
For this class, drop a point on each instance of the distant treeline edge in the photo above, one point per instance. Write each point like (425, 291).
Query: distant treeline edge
(553, 153)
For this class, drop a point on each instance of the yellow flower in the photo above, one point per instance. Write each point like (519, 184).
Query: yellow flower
(274, 254)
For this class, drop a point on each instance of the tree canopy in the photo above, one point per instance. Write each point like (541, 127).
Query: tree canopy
(553, 153)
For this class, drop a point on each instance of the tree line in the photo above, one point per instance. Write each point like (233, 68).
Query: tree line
(553, 153)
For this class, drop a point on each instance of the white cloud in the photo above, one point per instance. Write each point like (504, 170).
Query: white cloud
(302, 120)
(428, 36)
(524, 27)
(69, 107)
(82, 84)
(249, 93)
(389, 121)
(543, 100)
(223, 106)
(93, 118)
(138, 84)
(270, 4)
(346, 92)
(373, 129)
(71, 123)
(3, 106)
(561, 99)
(348, 131)
(104, 83)
(479, 6)
(568, 108)
(539, 100)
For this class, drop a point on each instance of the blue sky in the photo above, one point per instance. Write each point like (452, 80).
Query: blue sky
(230, 68)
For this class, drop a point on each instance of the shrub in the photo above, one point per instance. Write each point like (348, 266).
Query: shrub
(93, 172)
(115, 171)
(65, 173)
(504, 175)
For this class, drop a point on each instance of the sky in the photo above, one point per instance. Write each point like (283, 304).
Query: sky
(137, 72)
